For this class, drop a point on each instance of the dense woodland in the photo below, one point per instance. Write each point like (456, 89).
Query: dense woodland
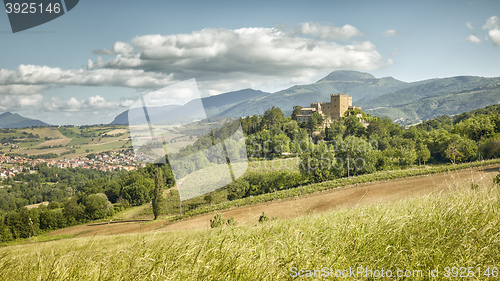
(358, 144)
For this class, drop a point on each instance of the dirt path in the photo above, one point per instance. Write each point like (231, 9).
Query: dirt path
(346, 197)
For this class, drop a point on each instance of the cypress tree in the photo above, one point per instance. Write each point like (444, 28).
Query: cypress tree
(158, 193)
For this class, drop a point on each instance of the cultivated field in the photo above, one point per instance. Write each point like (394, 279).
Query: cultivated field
(71, 141)
(441, 231)
(347, 197)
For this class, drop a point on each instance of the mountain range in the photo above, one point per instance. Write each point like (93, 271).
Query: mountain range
(385, 97)
(213, 106)
(408, 103)
(14, 120)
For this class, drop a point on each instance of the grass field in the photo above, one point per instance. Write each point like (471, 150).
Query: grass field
(453, 229)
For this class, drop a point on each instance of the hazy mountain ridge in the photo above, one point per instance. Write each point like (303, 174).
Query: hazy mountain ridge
(213, 106)
(361, 86)
(429, 88)
(14, 120)
(443, 104)
(384, 96)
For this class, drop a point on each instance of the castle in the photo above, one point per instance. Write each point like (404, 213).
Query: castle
(333, 110)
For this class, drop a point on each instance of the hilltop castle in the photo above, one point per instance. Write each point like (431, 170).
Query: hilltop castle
(333, 110)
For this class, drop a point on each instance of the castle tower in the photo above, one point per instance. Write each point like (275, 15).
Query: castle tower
(340, 103)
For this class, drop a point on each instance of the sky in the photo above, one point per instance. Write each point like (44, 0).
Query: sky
(92, 63)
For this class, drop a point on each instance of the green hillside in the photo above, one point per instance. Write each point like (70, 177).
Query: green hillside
(448, 101)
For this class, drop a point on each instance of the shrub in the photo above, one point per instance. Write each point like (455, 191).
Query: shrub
(496, 180)
(230, 222)
(217, 221)
(263, 218)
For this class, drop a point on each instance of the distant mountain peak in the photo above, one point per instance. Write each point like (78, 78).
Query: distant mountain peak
(347, 75)
(14, 120)
(5, 114)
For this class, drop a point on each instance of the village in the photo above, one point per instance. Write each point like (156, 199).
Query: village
(110, 161)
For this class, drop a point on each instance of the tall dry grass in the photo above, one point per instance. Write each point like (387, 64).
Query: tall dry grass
(459, 228)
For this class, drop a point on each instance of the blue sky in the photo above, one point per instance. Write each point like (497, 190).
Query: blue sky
(92, 63)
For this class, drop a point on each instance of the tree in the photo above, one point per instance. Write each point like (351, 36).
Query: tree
(355, 156)
(237, 189)
(139, 192)
(490, 148)
(296, 110)
(73, 211)
(317, 164)
(158, 194)
(423, 153)
(315, 121)
(97, 206)
(461, 149)
(476, 128)
(272, 116)
(353, 126)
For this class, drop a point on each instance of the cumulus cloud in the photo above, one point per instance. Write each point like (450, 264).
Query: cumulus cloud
(118, 48)
(15, 102)
(492, 24)
(92, 103)
(329, 31)
(247, 53)
(220, 59)
(33, 78)
(390, 32)
(495, 36)
(15, 89)
(126, 103)
(473, 39)
(469, 25)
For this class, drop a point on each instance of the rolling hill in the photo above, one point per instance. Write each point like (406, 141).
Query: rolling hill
(14, 120)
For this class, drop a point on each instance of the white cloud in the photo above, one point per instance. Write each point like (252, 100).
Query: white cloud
(16, 102)
(495, 36)
(118, 48)
(73, 104)
(473, 39)
(221, 60)
(390, 32)
(395, 52)
(16, 89)
(247, 56)
(492, 23)
(33, 76)
(329, 31)
(493, 26)
(126, 103)
(469, 25)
